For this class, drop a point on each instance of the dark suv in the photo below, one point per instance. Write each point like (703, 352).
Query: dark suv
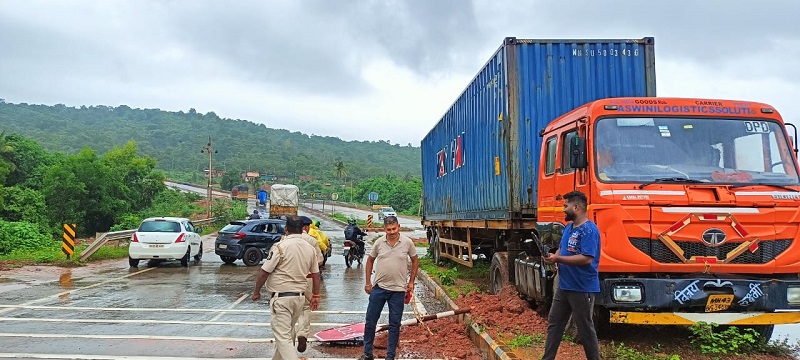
(248, 240)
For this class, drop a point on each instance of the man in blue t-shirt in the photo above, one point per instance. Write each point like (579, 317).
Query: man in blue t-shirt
(578, 280)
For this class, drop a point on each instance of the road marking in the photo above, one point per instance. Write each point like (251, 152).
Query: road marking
(78, 289)
(215, 318)
(140, 337)
(240, 311)
(143, 321)
(111, 357)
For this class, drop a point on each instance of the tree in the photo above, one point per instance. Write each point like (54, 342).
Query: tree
(339, 169)
(230, 179)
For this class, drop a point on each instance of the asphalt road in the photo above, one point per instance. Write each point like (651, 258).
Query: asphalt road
(406, 222)
(110, 311)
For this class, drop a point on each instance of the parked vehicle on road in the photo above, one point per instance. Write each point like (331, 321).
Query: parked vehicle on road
(248, 240)
(696, 199)
(165, 238)
(386, 211)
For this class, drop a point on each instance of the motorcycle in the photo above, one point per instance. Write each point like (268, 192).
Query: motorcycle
(352, 253)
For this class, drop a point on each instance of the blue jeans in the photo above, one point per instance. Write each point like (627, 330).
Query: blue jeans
(377, 299)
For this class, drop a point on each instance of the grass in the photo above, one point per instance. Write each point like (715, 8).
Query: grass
(457, 279)
(54, 256)
(421, 244)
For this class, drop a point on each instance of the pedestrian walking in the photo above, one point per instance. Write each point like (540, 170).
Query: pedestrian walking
(389, 257)
(578, 280)
(304, 323)
(285, 271)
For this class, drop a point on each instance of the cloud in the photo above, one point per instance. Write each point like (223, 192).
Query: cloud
(365, 70)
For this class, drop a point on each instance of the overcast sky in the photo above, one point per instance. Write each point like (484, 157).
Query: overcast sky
(367, 70)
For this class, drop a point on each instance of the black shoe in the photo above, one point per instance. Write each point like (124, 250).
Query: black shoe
(302, 343)
(366, 357)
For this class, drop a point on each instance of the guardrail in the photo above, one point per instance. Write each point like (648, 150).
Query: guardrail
(121, 235)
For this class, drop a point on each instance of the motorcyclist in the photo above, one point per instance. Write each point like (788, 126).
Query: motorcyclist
(353, 233)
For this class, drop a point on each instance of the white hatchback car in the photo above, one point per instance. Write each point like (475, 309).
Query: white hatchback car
(386, 211)
(165, 238)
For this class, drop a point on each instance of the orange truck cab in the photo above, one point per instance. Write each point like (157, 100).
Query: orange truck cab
(697, 202)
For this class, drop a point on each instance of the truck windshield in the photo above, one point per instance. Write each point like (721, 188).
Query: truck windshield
(716, 150)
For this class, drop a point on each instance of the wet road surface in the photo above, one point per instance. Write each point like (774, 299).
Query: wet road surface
(110, 311)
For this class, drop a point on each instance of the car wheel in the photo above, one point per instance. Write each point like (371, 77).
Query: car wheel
(252, 256)
(227, 259)
(133, 262)
(199, 253)
(185, 258)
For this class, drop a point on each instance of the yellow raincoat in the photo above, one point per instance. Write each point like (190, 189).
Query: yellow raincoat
(322, 239)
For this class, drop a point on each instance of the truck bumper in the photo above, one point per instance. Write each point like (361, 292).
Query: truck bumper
(721, 300)
(746, 318)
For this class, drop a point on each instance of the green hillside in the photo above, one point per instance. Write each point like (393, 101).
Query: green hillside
(175, 140)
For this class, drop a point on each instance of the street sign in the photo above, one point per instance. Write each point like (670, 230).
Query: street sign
(313, 195)
(373, 196)
(324, 196)
(344, 333)
(335, 196)
(68, 244)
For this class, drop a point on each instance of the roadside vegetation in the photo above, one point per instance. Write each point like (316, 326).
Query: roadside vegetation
(700, 341)
(362, 223)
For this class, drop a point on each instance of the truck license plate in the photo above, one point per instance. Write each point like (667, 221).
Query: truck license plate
(719, 303)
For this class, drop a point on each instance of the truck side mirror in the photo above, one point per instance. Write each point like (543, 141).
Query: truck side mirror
(577, 153)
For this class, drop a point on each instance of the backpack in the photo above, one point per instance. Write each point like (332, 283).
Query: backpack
(349, 232)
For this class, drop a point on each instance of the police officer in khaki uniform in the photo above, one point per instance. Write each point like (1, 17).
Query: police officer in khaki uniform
(304, 325)
(284, 271)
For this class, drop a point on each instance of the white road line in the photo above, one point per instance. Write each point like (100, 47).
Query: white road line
(138, 321)
(78, 289)
(215, 318)
(112, 357)
(186, 310)
(138, 337)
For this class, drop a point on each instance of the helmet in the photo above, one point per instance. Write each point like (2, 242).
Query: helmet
(316, 223)
(351, 221)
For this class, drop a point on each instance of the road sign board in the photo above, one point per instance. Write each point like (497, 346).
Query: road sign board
(335, 196)
(343, 333)
(68, 244)
(313, 195)
(373, 196)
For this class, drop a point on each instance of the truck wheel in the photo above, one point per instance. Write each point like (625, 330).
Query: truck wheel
(252, 256)
(434, 248)
(498, 272)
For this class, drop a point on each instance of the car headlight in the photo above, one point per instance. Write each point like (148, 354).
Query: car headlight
(627, 293)
(793, 295)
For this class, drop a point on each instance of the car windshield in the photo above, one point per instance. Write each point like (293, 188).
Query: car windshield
(388, 209)
(719, 150)
(160, 226)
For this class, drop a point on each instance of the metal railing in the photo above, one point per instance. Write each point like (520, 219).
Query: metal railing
(122, 235)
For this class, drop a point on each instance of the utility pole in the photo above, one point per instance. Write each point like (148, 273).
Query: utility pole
(209, 149)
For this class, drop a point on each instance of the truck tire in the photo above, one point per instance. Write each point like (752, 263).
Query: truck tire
(498, 272)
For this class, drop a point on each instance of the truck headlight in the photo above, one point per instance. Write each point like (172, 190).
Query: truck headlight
(793, 295)
(627, 293)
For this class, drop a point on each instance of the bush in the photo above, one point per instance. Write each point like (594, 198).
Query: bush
(227, 211)
(709, 340)
(22, 236)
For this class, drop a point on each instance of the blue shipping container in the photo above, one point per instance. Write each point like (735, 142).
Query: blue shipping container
(481, 160)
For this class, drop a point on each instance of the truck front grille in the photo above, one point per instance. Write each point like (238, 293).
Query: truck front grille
(767, 250)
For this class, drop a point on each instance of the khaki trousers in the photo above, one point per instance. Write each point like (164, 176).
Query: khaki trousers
(304, 323)
(285, 311)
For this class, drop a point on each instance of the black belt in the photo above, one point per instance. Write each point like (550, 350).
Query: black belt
(282, 294)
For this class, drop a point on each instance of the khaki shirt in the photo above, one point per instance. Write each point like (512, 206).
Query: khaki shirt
(313, 242)
(288, 262)
(391, 263)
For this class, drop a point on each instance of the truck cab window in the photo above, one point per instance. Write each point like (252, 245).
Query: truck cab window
(565, 141)
(550, 156)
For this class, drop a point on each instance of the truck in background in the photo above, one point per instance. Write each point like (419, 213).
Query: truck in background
(283, 200)
(696, 199)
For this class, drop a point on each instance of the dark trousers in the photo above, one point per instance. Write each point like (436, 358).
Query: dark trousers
(580, 305)
(377, 300)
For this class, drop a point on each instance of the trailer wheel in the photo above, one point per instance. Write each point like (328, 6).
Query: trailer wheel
(498, 272)
(435, 249)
